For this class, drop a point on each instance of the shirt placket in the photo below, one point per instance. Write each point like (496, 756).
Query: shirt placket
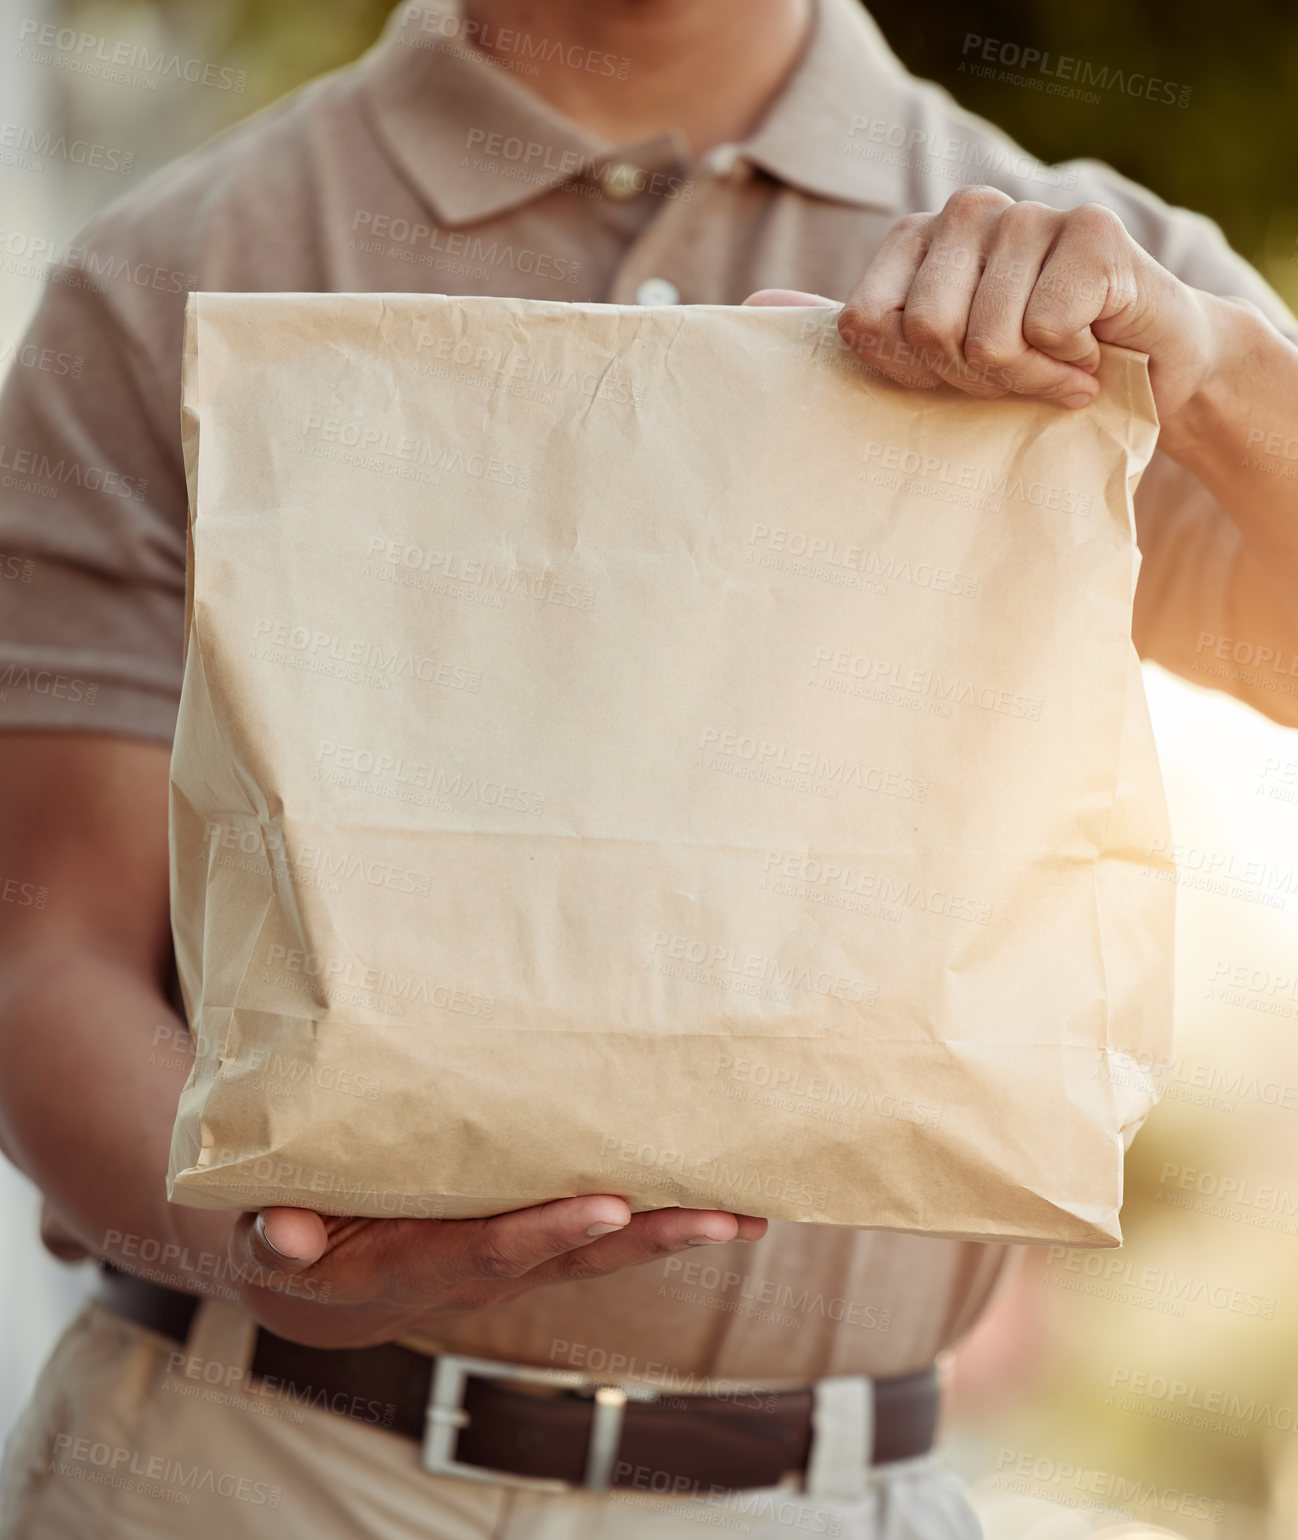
(656, 268)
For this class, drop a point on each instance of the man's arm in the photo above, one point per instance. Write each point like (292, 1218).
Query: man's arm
(1238, 434)
(83, 1110)
(88, 1117)
(996, 296)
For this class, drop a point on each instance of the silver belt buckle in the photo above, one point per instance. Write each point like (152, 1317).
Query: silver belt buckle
(446, 1416)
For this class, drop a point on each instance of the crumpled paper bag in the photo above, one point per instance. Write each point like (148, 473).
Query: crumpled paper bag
(646, 751)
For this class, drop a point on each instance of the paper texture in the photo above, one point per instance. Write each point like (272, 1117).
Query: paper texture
(644, 751)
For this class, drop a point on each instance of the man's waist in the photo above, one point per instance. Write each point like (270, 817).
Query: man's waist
(628, 1362)
(485, 1419)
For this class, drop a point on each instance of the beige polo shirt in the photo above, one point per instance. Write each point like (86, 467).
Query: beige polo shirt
(427, 168)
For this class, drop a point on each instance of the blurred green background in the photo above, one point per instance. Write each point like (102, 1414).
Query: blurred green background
(1229, 153)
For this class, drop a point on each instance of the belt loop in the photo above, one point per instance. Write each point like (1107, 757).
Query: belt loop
(220, 1334)
(842, 1437)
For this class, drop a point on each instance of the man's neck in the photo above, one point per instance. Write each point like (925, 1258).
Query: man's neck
(628, 70)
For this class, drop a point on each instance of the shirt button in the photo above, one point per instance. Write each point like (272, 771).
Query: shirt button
(621, 180)
(721, 159)
(657, 291)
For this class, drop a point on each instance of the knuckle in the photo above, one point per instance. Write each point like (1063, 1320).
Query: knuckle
(1027, 208)
(492, 1261)
(975, 200)
(654, 1246)
(1027, 217)
(986, 352)
(1047, 330)
(928, 329)
(1094, 217)
(860, 320)
(1246, 307)
(913, 224)
(579, 1264)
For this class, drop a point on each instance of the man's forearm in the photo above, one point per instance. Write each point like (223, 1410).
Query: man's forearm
(1238, 435)
(92, 1061)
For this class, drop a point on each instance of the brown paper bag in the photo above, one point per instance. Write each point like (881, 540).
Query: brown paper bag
(644, 751)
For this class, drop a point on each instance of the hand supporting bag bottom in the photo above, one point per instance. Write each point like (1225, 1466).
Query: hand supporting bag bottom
(644, 751)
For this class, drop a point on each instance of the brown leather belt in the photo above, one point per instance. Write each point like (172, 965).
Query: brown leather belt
(592, 1434)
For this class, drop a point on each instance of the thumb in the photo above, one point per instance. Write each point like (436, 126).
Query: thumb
(289, 1239)
(787, 297)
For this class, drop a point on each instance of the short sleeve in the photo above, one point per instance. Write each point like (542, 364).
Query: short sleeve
(92, 488)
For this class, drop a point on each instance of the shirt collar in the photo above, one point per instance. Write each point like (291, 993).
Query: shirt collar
(475, 142)
(834, 128)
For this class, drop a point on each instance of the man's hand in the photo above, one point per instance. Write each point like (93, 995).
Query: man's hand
(355, 1282)
(87, 1099)
(997, 297)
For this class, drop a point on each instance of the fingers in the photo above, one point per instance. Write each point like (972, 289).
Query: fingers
(509, 1245)
(788, 297)
(935, 314)
(418, 1260)
(1089, 277)
(377, 1275)
(871, 322)
(997, 341)
(751, 1227)
(581, 1238)
(649, 1236)
(294, 1236)
(992, 296)
(276, 1242)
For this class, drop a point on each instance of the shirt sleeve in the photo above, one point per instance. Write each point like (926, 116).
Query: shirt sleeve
(92, 487)
(1206, 607)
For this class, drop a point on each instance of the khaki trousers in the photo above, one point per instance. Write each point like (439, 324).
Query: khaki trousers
(118, 1443)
